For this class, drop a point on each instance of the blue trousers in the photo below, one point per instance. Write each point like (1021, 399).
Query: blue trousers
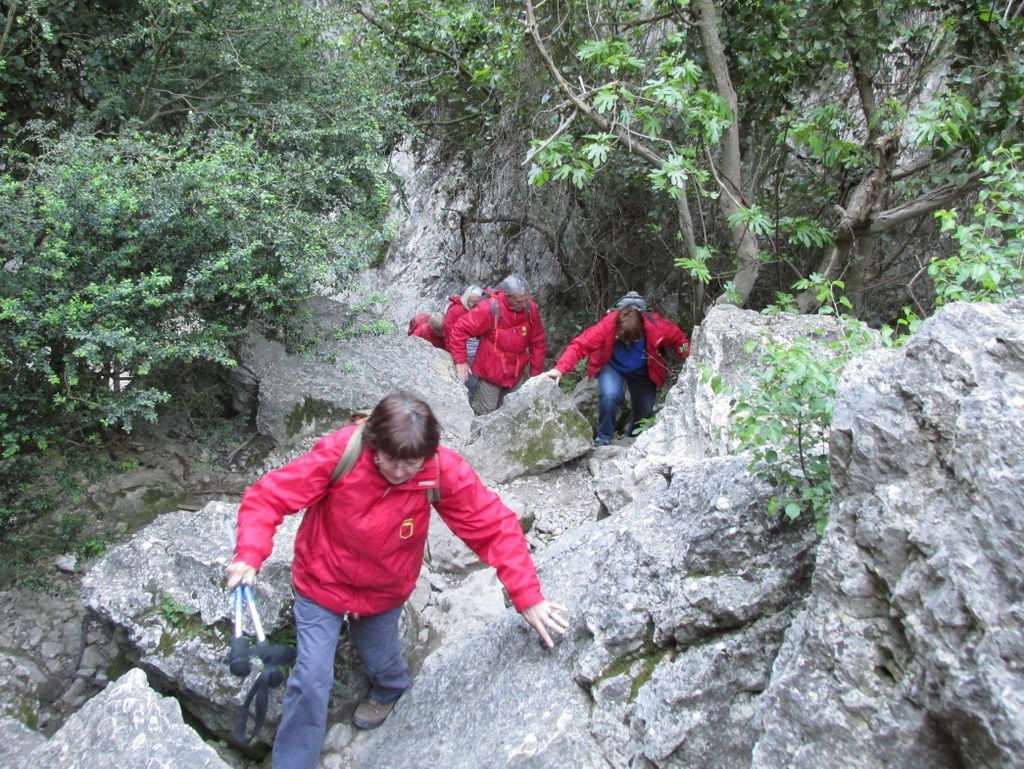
(307, 693)
(611, 385)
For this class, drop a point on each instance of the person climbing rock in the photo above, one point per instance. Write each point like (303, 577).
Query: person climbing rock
(511, 336)
(358, 553)
(624, 351)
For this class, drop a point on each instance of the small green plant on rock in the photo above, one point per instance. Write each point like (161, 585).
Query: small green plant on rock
(783, 415)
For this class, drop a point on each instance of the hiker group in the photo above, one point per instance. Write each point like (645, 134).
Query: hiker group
(368, 490)
(493, 336)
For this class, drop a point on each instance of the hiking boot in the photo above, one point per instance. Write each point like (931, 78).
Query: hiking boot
(370, 714)
(599, 442)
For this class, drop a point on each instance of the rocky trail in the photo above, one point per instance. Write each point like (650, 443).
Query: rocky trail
(55, 654)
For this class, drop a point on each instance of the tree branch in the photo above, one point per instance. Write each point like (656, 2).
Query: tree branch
(924, 204)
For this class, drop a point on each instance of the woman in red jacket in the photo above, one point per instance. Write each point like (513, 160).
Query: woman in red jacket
(358, 553)
(458, 306)
(624, 351)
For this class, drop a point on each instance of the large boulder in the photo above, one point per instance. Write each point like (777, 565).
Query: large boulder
(536, 428)
(311, 394)
(127, 725)
(17, 741)
(909, 651)
(677, 607)
(163, 590)
(694, 421)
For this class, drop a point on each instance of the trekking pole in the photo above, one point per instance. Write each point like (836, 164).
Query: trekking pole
(251, 598)
(273, 657)
(238, 657)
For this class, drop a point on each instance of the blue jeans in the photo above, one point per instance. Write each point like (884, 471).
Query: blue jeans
(304, 711)
(610, 388)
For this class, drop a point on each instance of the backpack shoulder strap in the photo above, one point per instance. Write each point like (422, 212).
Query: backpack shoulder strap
(434, 492)
(349, 455)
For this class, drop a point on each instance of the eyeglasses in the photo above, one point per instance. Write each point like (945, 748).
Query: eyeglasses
(398, 465)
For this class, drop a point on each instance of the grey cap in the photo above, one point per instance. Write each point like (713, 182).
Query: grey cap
(632, 299)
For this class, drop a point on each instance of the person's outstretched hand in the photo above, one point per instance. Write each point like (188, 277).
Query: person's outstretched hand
(554, 374)
(545, 616)
(239, 573)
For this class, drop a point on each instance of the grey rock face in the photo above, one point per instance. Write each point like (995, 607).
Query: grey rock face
(537, 428)
(127, 726)
(164, 590)
(694, 420)
(314, 394)
(16, 741)
(651, 590)
(442, 242)
(909, 652)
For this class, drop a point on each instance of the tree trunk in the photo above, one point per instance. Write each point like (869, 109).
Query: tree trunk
(730, 173)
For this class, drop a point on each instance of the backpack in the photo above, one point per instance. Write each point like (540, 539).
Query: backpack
(351, 453)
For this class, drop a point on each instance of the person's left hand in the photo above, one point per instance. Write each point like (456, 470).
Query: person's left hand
(544, 616)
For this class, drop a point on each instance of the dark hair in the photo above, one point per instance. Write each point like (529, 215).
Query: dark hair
(403, 427)
(629, 325)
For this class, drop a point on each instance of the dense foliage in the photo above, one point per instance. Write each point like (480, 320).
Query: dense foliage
(173, 173)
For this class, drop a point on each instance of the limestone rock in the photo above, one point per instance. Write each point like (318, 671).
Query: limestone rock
(691, 568)
(163, 589)
(16, 741)
(537, 428)
(908, 653)
(693, 423)
(316, 393)
(127, 726)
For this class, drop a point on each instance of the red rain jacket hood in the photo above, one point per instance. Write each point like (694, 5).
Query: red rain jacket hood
(452, 316)
(420, 327)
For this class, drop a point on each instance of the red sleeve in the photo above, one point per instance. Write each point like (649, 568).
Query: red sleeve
(284, 491)
(473, 324)
(450, 320)
(674, 338)
(538, 342)
(587, 343)
(491, 529)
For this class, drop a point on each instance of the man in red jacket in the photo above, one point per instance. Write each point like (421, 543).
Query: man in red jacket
(624, 351)
(358, 552)
(511, 338)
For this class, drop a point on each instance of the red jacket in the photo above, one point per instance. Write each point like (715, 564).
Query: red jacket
(360, 544)
(452, 316)
(420, 326)
(598, 341)
(509, 340)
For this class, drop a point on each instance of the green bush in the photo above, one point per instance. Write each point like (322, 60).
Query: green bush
(783, 415)
(129, 258)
